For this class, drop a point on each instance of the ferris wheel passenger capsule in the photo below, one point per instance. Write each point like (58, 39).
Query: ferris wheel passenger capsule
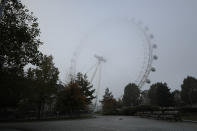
(155, 57)
(151, 36)
(153, 69)
(154, 46)
(148, 81)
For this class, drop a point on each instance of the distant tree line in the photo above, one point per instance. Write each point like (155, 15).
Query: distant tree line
(158, 95)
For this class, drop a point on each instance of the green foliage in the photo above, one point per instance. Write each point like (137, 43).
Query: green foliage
(132, 110)
(76, 96)
(160, 95)
(108, 103)
(85, 87)
(70, 100)
(46, 72)
(19, 45)
(19, 41)
(129, 111)
(119, 104)
(143, 108)
(131, 95)
(45, 78)
(176, 94)
(189, 90)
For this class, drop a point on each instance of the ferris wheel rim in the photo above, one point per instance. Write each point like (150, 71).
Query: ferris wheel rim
(151, 57)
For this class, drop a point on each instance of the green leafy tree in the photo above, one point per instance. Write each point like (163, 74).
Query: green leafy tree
(119, 103)
(76, 96)
(85, 87)
(19, 43)
(189, 90)
(160, 95)
(176, 94)
(45, 77)
(131, 95)
(108, 102)
(70, 100)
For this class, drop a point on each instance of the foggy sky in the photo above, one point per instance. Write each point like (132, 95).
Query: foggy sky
(64, 23)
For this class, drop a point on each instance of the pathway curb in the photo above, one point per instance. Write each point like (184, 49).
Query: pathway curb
(189, 121)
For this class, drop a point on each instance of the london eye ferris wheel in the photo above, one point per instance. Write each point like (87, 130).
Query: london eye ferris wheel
(118, 50)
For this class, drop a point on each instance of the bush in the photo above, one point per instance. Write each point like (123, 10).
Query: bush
(130, 111)
(188, 110)
(143, 108)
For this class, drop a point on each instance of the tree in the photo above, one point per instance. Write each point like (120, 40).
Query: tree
(19, 41)
(131, 95)
(144, 98)
(70, 100)
(108, 102)
(176, 94)
(119, 103)
(11, 91)
(160, 95)
(19, 45)
(189, 90)
(85, 87)
(45, 77)
(76, 96)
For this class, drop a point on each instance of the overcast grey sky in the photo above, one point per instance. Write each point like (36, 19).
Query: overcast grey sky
(64, 23)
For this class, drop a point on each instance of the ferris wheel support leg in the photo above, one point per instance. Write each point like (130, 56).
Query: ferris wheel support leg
(97, 66)
(98, 88)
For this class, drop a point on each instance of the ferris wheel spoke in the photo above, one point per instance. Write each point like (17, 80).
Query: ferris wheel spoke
(148, 47)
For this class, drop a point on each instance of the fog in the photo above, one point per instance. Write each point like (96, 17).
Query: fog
(103, 27)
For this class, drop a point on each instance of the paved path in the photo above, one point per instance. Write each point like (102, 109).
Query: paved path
(101, 123)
